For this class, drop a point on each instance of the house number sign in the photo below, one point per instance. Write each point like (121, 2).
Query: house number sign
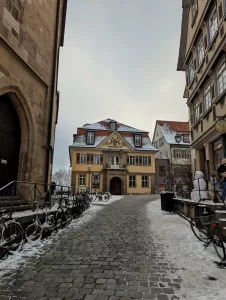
(3, 161)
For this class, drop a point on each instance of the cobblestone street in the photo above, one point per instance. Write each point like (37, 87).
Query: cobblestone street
(113, 256)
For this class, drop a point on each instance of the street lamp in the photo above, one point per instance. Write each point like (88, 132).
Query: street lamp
(178, 138)
(89, 169)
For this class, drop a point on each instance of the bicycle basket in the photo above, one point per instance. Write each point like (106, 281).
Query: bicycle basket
(206, 219)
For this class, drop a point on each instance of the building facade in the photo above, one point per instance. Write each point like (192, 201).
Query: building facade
(113, 157)
(171, 155)
(31, 33)
(202, 58)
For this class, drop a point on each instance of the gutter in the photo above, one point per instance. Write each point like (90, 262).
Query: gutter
(53, 84)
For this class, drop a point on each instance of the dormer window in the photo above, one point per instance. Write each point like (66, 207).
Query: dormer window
(185, 138)
(90, 137)
(112, 126)
(138, 140)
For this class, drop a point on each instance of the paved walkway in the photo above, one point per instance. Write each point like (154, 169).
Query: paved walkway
(111, 257)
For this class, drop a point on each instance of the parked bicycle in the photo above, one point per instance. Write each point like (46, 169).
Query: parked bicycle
(38, 230)
(63, 214)
(11, 235)
(206, 229)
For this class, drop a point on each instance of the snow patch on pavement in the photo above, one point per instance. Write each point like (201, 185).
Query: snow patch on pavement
(36, 248)
(184, 250)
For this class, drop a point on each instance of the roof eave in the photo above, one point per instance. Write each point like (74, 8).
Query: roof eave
(184, 32)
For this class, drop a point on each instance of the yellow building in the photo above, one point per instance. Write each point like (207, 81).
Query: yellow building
(113, 157)
(202, 58)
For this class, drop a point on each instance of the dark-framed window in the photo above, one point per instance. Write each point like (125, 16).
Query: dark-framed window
(83, 158)
(112, 125)
(185, 138)
(138, 140)
(144, 161)
(194, 9)
(212, 24)
(90, 137)
(200, 51)
(132, 181)
(191, 70)
(145, 181)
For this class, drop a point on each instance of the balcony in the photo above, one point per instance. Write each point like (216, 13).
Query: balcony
(115, 166)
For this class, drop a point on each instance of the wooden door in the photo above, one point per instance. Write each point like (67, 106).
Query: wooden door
(116, 186)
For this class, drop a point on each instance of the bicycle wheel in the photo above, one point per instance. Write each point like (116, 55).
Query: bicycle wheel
(33, 232)
(200, 231)
(218, 245)
(59, 220)
(4, 253)
(105, 197)
(68, 215)
(13, 236)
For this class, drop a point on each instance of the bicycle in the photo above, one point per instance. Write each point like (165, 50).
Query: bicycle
(63, 215)
(37, 230)
(11, 235)
(206, 230)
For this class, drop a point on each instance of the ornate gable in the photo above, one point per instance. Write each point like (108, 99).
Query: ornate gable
(115, 140)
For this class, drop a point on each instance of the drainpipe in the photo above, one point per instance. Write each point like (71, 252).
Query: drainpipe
(53, 87)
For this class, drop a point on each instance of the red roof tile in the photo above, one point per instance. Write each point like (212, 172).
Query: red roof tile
(175, 125)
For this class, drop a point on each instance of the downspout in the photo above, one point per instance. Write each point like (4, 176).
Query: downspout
(52, 97)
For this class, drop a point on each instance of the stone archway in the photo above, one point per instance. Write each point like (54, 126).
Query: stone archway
(23, 114)
(116, 186)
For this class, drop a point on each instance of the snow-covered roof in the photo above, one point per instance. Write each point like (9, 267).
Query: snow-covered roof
(169, 132)
(104, 125)
(80, 141)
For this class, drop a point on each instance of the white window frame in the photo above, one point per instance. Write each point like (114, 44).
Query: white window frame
(82, 180)
(138, 140)
(114, 160)
(200, 51)
(186, 154)
(90, 137)
(112, 126)
(221, 77)
(144, 181)
(83, 158)
(132, 181)
(144, 161)
(96, 159)
(196, 110)
(212, 24)
(207, 97)
(191, 70)
(132, 160)
(177, 153)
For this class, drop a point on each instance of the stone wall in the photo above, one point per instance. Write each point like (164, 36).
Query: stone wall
(27, 36)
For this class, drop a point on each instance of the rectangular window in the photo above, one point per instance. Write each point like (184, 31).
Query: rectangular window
(185, 154)
(221, 78)
(194, 9)
(212, 25)
(144, 181)
(112, 126)
(114, 160)
(191, 71)
(207, 97)
(83, 158)
(96, 159)
(138, 140)
(156, 145)
(132, 181)
(132, 161)
(144, 161)
(90, 138)
(200, 51)
(161, 142)
(186, 138)
(177, 153)
(82, 180)
(196, 111)
(162, 170)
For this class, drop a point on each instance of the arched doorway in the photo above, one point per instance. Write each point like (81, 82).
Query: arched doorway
(10, 138)
(116, 186)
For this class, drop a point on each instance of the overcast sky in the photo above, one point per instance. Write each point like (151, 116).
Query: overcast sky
(119, 61)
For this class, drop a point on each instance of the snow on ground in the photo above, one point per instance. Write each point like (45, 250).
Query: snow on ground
(36, 248)
(187, 253)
